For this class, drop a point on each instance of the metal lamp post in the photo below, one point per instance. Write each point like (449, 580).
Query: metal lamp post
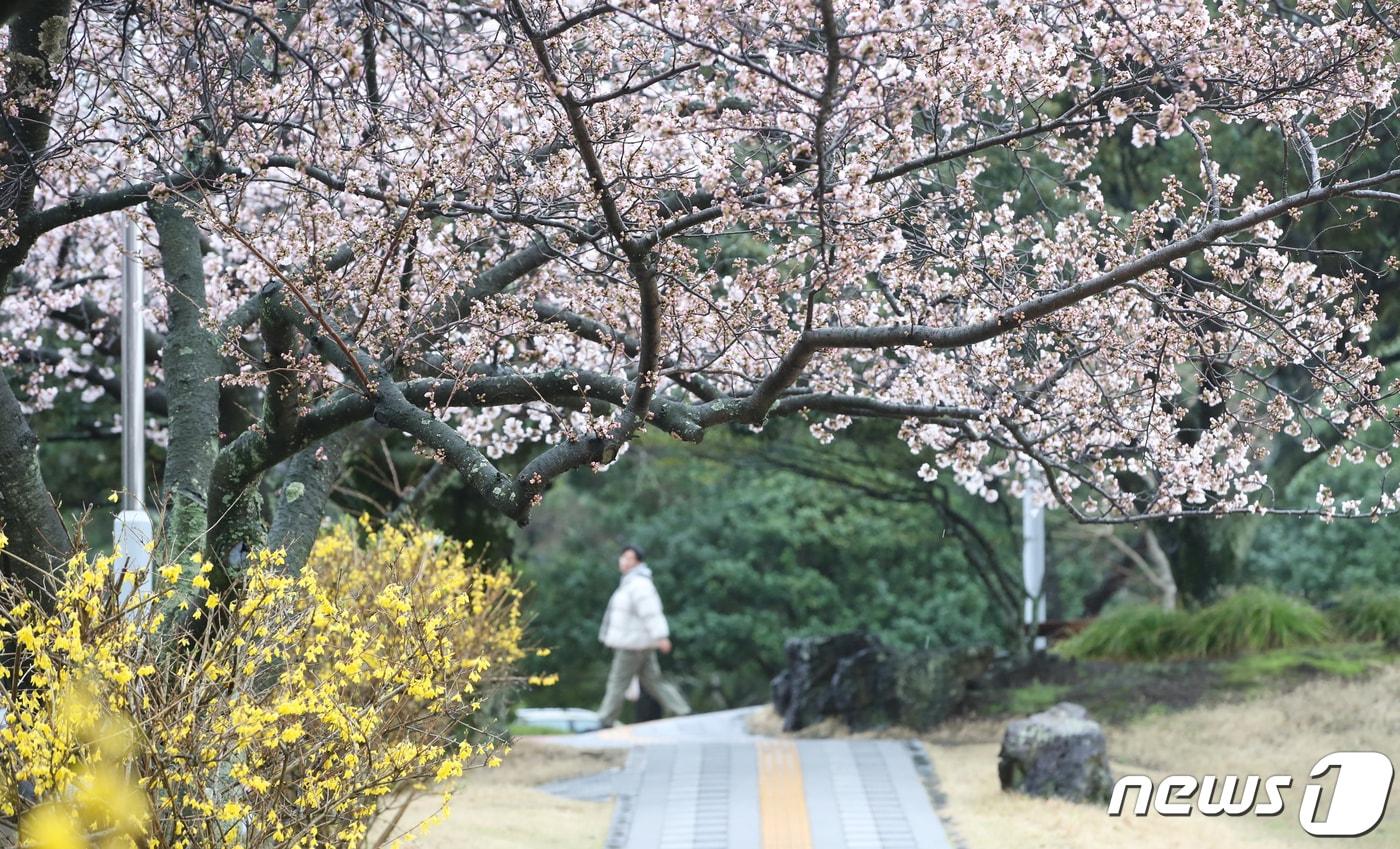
(133, 532)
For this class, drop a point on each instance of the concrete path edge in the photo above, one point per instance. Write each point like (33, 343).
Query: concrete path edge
(923, 764)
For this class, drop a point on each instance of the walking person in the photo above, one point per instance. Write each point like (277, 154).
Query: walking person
(635, 628)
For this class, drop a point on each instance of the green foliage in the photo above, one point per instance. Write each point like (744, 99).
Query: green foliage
(82, 461)
(1134, 632)
(745, 556)
(1033, 698)
(1248, 621)
(1314, 559)
(1368, 615)
(1341, 660)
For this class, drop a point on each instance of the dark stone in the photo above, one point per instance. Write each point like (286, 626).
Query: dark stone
(931, 686)
(856, 678)
(863, 692)
(839, 675)
(1059, 753)
(782, 691)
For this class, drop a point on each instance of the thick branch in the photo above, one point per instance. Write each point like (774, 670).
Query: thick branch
(301, 500)
(85, 206)
(502, 493)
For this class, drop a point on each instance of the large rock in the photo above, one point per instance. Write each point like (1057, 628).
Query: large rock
(1060, 752)
(856, 678)
(846, 676)
(932, 685)
(863, 688)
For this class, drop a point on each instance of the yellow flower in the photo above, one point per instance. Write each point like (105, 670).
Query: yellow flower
(53, 826)
(233, 811)
(113, 497)
(386, 642)
(26, 638)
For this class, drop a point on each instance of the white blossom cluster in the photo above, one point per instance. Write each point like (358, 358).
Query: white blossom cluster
(734, 210)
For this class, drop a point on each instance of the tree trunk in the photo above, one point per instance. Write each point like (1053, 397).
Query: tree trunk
(235, 509)
(192, 363)
(1097, 598)
(39, 544)
(34, 57)
(1207, 553)
(1161, 565)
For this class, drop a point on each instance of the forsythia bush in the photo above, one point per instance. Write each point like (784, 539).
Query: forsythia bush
(301, 711)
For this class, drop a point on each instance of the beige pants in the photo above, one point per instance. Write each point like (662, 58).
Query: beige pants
(644, 666)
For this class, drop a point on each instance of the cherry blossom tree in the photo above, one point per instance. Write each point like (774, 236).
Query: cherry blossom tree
(539, 228)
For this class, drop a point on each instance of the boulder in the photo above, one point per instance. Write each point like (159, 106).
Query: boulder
(932, 685)
(846, 676)
(1059, 752)
(858, 679)
(863, 689)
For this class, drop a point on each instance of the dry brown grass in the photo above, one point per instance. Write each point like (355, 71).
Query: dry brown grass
(1280, 733)
(503, 809)
(765, 722)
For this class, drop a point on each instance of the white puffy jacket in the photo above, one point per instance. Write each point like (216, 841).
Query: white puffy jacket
(634, 619)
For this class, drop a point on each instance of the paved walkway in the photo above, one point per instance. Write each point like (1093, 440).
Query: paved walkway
(703, 782)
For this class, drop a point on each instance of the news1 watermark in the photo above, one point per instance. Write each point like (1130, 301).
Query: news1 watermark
(1357, 805)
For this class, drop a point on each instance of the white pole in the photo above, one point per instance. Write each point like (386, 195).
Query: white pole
(133, 375)
(132, 531)
(1033, 559)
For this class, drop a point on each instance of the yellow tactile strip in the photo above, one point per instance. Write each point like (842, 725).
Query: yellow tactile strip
(782, 799)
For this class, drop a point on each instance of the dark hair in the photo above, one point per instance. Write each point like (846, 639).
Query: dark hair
(641, 555)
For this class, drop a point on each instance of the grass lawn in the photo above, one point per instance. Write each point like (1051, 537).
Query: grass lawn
(1263, 732)
(502, 808)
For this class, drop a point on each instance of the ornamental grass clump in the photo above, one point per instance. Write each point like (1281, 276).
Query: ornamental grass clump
(1369, 615)
(300, 710)
(1136, 632)
(1249, 620)
(1253, 619)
